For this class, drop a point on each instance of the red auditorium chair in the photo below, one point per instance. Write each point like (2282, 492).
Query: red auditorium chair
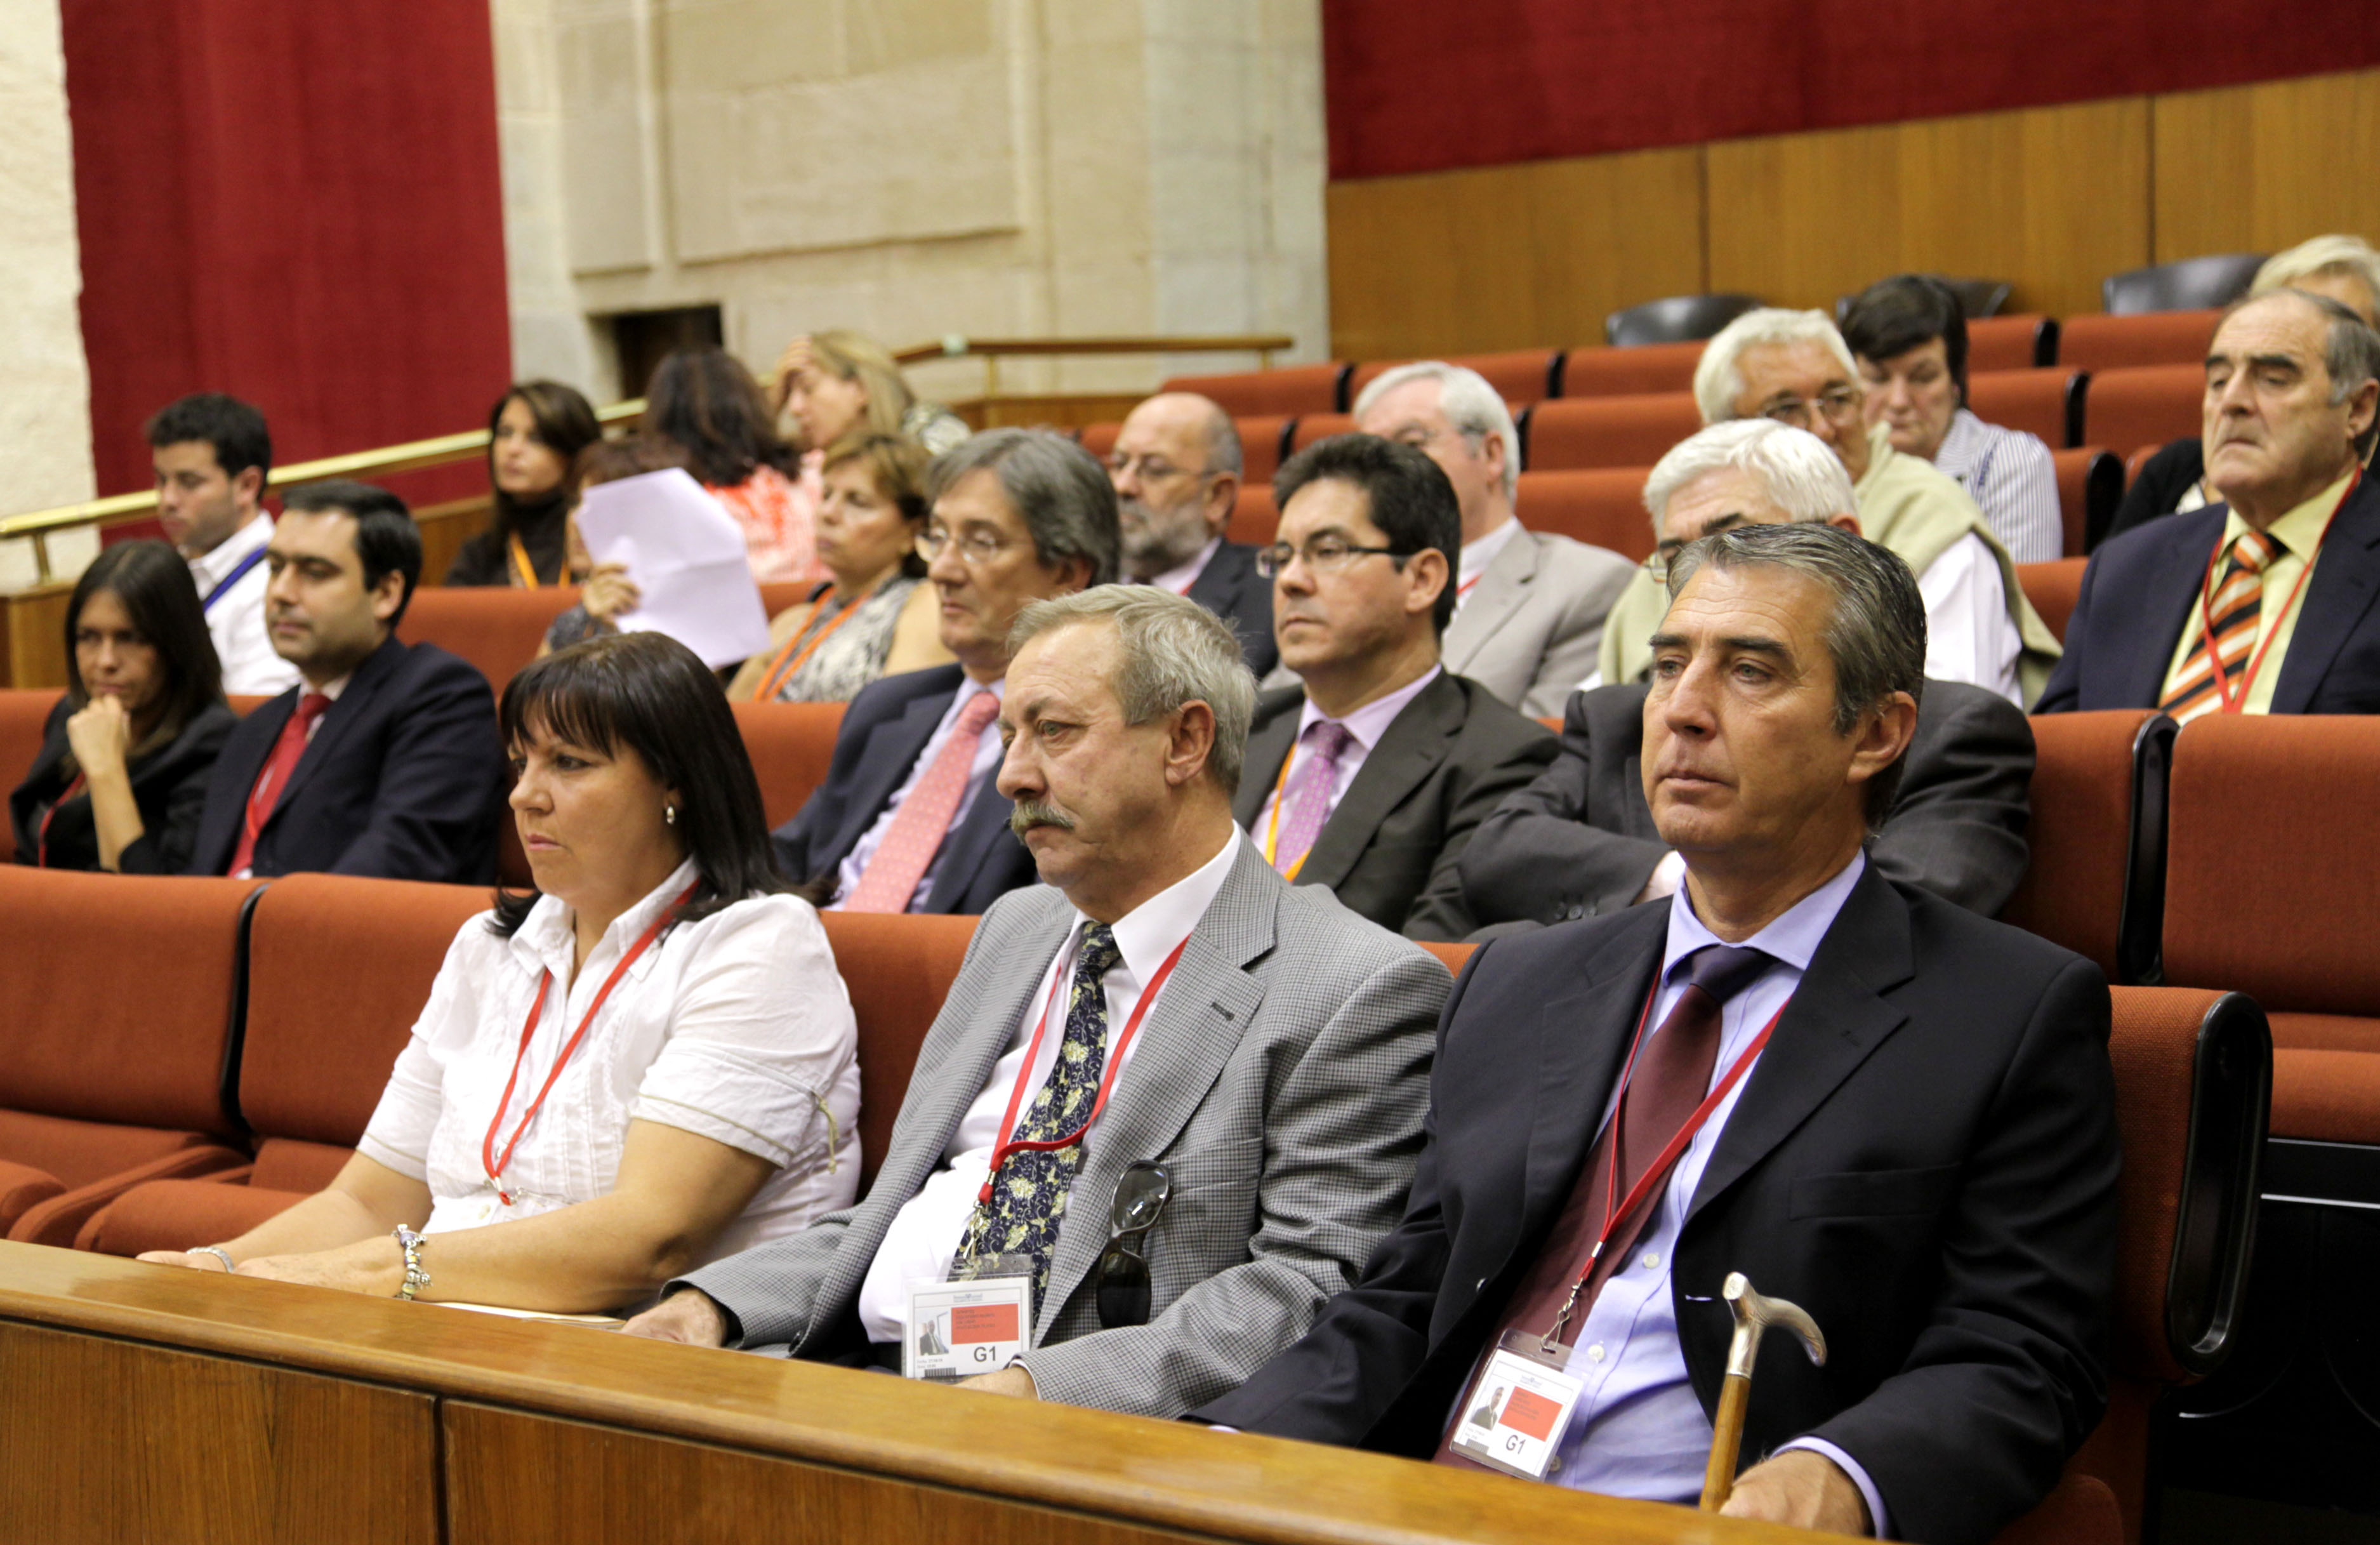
(2053, 588)
(1602, 506)
(1523, 375)
(2090, 486)
(2048, 403)
(103, 1088)
(2146, 404)
(2013, 343)
(791, 745)
(778, 594)
(1319, 426)
(1609, 432)
(1099, 439)
(2096, 880)
(1603, 371)
(22, 715)
(2098, 343)
(1254, 519)
(899, 969)
(495, 628)
(1293, 389)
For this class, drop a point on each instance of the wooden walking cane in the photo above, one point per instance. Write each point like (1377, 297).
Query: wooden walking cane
(1753, 1315)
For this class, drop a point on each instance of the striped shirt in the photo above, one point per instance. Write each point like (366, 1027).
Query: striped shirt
(2009, 476)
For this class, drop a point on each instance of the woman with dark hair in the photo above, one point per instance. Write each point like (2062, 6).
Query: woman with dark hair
(706, 404)
(534, 432)
(646, 1063)
(121, 778)
(877, 617)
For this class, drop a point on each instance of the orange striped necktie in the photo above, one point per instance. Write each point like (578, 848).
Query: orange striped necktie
(2237, 605)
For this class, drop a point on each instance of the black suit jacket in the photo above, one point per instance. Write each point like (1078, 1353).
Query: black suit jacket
(1925, 1158)
(2139, 590)
(1232, 588)
(1580, 840)
(169, 786)
(1447, 759)
(404, 778)
(885, 728)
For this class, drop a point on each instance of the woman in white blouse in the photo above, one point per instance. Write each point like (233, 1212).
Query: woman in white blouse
(646, 1064)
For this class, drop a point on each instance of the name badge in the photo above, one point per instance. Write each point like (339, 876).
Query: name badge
(957, 1330)
(1516, 1411)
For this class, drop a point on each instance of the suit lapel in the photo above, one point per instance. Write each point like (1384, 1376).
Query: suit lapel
(1218, 584)
(965, 848)
(338, 723)
(893, 750)
(1415, 741)
(2337, 597)
(1268, 745)
(2167, 592)
(1498, 595)
(1190, 1033)
(1836, 1018)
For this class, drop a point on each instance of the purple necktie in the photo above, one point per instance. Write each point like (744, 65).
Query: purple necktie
(1305, 803)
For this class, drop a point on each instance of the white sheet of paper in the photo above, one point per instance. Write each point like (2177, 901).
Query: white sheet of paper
(688, 557)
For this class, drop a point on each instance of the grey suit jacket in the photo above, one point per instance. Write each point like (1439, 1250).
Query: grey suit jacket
(1451, 757)
(1580, 842)
(1280, 1077)
(1531, 631)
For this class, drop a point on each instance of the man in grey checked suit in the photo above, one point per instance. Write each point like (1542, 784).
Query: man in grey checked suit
(1278, 1077)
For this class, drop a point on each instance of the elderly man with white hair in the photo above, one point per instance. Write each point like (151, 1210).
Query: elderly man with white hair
(1792, 368)
(1580, 840)
(1529, 606)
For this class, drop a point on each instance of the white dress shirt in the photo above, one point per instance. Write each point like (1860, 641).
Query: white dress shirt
(235, 622)
(1366, 725)
(924, 1235)
(735, 1027)
(1638, 1429)
(2012, 478)
(1181, 576)
(988, 751)
(1478, 555)
(1969, 635)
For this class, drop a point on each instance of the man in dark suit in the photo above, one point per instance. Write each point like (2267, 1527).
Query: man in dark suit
(383, 760)
(908, 818)
(1580, 840)
(1875, 1103)
(1177, 464)
(2285, 571)
(1370, 777)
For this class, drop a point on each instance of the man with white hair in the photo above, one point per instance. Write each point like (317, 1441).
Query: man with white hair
(1794, 368)
(1529, 606)
(1579, 841)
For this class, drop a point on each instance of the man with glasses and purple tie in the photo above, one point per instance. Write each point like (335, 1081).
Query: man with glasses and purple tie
(1170, 1103)
(1369, 777)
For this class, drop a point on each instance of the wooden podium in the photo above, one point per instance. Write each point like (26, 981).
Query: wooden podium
(145, 1402)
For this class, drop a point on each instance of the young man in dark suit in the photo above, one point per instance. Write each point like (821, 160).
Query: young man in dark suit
(1370, 777)
(1177, 464)
(908, 818)
(1867, 1100)
(383, 760)
(2285, 571)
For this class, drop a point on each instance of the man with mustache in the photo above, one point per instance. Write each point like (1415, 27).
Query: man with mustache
(2282, 575)
(1162, 1019)
(1176, 466)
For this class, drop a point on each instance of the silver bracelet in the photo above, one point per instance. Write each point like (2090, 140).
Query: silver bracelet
(218, 1252)
(415, 1278)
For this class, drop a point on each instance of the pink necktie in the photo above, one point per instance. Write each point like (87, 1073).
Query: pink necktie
(1305, 803)
(286, 752)
(892, 876)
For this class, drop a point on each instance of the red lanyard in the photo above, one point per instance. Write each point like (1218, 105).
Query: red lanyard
(2256, 661)
(42, 842)
(1107, 1081)
(494, 1163)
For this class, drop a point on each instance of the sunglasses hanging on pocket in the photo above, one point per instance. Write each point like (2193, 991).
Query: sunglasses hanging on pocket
(1122, 1275)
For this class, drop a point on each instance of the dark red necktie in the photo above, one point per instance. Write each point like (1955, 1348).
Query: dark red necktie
(276, 776)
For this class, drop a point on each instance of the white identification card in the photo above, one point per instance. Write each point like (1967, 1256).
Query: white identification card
(1518, 1408)
(957, 1330)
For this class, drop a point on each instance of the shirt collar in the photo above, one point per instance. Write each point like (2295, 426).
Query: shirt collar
(547, 938)
(209, 567)
(1478, 555)
(2300, 531)
(1966, 433)
(331, 689)
(1147, 933)
(1181, 576)
(1793, 938)
(1367, 724)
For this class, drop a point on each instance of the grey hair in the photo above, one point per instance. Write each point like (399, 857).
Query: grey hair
(1801, 475)
(1876, 636)
(1175, 652)
(1475, 408)
(1223, 453)
(1061, 491)
(2323, 254)
(1718, 377)
(2350, 350)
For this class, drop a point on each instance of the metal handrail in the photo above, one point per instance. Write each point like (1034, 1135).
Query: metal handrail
(957, 345)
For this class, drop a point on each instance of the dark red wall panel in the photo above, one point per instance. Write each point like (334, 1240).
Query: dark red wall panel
(298, 203)
(1430, 85)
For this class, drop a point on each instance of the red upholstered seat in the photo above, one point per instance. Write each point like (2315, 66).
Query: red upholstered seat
(1099, 439)
(1609, 432)
(898, 968)
(1312, 427)
(494, 628)
(2096, 838)
(2144, 405)
(22, 714)
(1293, 389)
(1601, 370)
(1454, 956)
(2040, 402)
(2083, 1511)
(2053, 588)
(790, 745)
(1521, 375)
(1254, 517)
(2090, 486)
(2022, 342)
(2098, 343)
(1602, 506)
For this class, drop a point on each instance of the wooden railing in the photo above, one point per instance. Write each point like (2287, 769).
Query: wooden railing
(1264, 345)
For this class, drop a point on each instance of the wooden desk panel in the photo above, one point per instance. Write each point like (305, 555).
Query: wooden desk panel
(108, 1441)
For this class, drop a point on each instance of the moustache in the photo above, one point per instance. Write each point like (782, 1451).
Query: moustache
(1030, 813)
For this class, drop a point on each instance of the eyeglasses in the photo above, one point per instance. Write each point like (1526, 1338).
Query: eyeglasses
(1123, 1276)
(1657, 561)
(975, 549)
(1323, 556)
(1837, 405)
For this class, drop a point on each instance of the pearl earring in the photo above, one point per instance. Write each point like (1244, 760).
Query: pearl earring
(669, 815)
